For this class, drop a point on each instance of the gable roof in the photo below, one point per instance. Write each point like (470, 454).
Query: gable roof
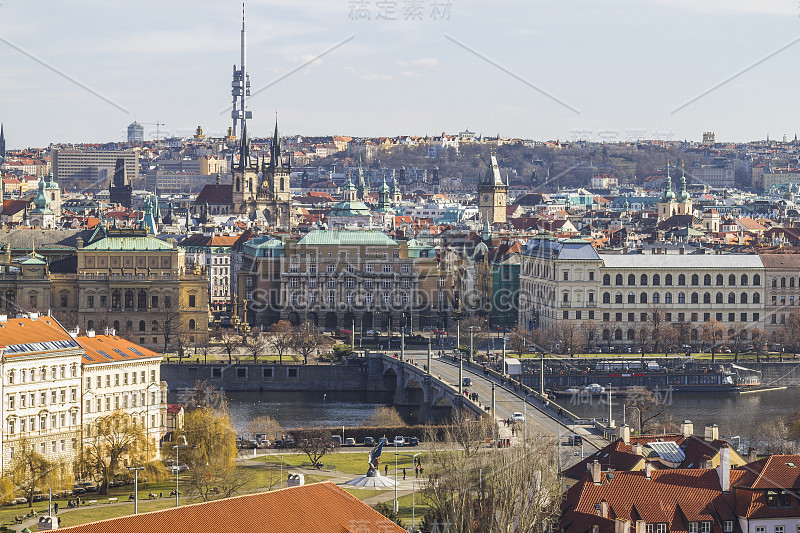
(318, 507)
(215, 194)
(105, 348)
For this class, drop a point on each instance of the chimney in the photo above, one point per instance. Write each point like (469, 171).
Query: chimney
(752, 456)
(622, 526)
(594, 469)
(724, 468)
(604, 509)
(705, 462)
(90, 333)
(33, 316)
(712, 432)
(648, 469)
(595, 529)
(3, 318)
(687, 428)
(637, 449)
(624, 433)
(640, 526)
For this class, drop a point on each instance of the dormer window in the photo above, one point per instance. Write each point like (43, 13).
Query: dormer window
(705, 527)
(772, 498)
(693, 527)
(786, 499)
(727, 526)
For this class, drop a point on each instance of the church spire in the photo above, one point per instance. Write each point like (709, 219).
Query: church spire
(275, 147)
(244, 150)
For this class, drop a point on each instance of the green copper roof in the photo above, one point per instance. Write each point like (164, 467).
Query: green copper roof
(129, 244)
(346, 238)
(349, 209)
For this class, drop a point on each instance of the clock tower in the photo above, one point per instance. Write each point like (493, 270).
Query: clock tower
(492, 195)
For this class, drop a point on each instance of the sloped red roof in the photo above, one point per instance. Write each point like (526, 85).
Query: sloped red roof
(318, 507)
(215, 194)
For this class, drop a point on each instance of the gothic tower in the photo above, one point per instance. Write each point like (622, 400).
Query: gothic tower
(275, 192)
(2, 144)
(492, 195)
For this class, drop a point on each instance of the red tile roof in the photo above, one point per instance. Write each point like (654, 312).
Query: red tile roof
(102, 349)
(31, 330)
(318, 507)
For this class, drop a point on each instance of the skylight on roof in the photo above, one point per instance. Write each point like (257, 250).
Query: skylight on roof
(121, 352)
(104, 354)
(134, 350)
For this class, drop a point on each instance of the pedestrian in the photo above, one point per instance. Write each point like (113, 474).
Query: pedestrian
(420, 470)
(385, 470)
(404, 474)
(55, 507)
(416, 470)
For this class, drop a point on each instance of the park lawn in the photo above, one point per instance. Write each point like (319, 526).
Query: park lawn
(347, 463)
(405, 507)
(101, 511)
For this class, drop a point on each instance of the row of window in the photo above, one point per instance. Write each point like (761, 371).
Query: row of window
(54, 447)
(53, 372)
(694, 298)
(670, 317)
(350, 283)
(344, 255)
(368, 268)
(349, 297)
(133, 381)
(25, 400)
(117, 300)
(121, 401)
(43, 422)
(744, 279)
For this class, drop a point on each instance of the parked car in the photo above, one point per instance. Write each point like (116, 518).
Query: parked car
(349, 441)
(369, 441)
(289, 443)
(279, 443)
(466, 382)
(336, 439)
(518, 417)
(399, 441)
(413, 441)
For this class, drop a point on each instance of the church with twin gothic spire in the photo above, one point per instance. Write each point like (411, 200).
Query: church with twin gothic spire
(261, 186)
(671, 203)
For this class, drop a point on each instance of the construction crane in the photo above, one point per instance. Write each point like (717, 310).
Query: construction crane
(157, 125)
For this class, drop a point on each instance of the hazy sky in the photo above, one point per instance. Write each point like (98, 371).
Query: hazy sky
(533, 69)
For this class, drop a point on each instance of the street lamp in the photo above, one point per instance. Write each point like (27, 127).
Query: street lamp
(135, 487)
(413, 482)
(177, 448)
(396, 508)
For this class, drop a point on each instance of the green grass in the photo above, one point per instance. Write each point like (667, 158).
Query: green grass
(405, 507)
(345, 463)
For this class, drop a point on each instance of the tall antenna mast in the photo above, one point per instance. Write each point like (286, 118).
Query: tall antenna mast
(240, 86)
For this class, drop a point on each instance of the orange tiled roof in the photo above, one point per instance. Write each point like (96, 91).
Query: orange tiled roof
(31, 330)
(318, 507)
(102, 349)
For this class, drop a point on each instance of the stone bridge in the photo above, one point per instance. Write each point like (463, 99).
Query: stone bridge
(417, 390)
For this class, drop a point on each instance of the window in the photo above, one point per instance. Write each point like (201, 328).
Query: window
(192, 300)
(695, 279)
(606, 279)
(719, 298)
(681, 279)
(566, 275)
(656, 279)
(631, 298)
(656, 297)
(743, 298)
(643, 279)
(668, 298)
(387, 269)
(606, 298)
(756, 298)
(631, 279)
(705, 527)
(618, 298)
(643, 298)
(681, 298)
(731, 298)
(618, 280)
(744, 280)
(668, 279)
(779, 529)
(756, 280)
(707, 279)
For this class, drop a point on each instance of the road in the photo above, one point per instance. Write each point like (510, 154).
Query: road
(508, 402)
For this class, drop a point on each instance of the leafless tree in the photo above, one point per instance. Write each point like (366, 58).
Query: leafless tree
(589, 335)
(568, 337)
(315, 442)
(477, 488)
(231, 342)
(305, 340)
(713, 335)
(518, 340)
(656, 325)
(737, 337)
(256, 344)
(652, 410)
(281, 338)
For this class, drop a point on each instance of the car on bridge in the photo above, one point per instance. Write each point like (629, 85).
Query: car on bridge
(466, 382)
(518, 417)
(575, 440)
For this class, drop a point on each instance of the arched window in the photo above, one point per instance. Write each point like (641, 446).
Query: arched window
(643, 298)
(668, 279)
(606, 334)
(695, 298)
(720, 279)
(116, 325)
(681, 298)
(618, 334)
(707, 279)
(756, 280)
(238, 184)
(9, 298)
(694, 335)
(128, 299)
(282, 180)
(606, 298)
(731, 298)
(681, 279)
(783, 282)
(743, 298)
(631, 298)
(791, 282)
(64, 300)
(618, 280)
(695, 279)
(606, 279)
(631, 335)
(707, 298)
(668, 298)
(141, 325)
(732, 280)
(643, 279)
(116, 296)
(631, 279)
(656, 298)
(191, 323)
(90, 325)
(774, 282)
(250, 185)
(128, 325)
(618, 298)
(720, 298)
(142, 299)
(756, 298)
(656, 279)
(154, 326)
(745, 280)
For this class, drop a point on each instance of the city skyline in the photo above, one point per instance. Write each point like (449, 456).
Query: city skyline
(615, 71)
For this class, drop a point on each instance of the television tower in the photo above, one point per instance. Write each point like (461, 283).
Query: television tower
(240, 86)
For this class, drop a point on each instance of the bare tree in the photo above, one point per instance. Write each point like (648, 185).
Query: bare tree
(643, 340)
(759, 342)
(656, 325)
(518, 340)
(472, 488)
(652, 410)
(791, 330)
(305, 340)
(737, 336)
(264, 425)
(281, 338)
(256, 344)
(314, 442)
(568, 337)
(230, 343)
(384, 416)
(713, 334)
(589, 335)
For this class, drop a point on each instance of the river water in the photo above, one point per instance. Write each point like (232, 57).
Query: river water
(735, 414)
